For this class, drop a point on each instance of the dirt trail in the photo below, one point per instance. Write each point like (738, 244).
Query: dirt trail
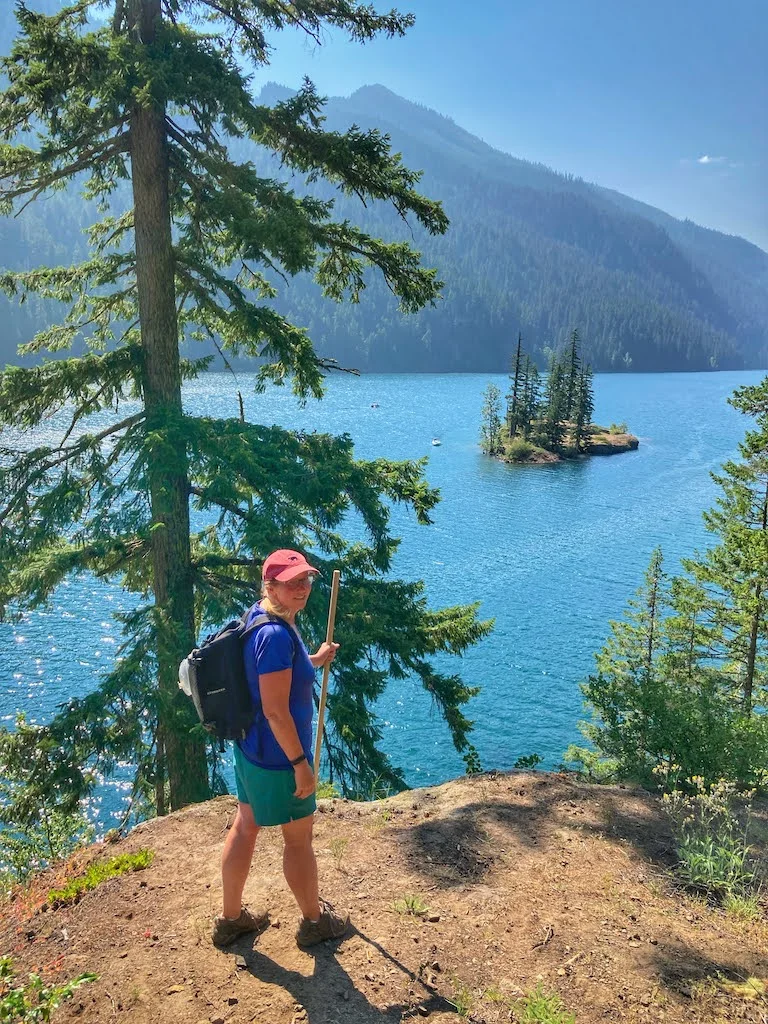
(520, 878)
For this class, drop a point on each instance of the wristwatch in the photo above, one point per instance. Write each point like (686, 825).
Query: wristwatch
(299, 759)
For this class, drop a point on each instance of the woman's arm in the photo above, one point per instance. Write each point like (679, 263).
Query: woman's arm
(275, 689)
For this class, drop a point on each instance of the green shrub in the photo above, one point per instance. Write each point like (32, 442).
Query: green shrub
(617, 428)
(519, 450)
(99, 872)
(710, 830)
(327, 790)
(589, 763)
(34, 1002)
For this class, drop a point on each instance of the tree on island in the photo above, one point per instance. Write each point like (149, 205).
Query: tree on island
(515, 400)
(584, 408)
(531, 397)
(682, 684)
(560, 420)
(555, 407)
(490, 428)
(572, 379)
(155, 97)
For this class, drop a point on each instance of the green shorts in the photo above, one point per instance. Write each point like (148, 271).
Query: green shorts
(270, 792)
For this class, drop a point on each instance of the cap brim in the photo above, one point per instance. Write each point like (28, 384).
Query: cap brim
(295, 570)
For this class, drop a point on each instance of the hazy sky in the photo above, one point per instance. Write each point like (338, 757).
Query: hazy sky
(665, 100)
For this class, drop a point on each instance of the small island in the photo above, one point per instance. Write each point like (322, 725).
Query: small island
(548, 421)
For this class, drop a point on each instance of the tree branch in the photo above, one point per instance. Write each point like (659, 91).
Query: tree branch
(41, 183)
(81, 445)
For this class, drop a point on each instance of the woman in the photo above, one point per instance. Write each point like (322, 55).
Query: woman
(273, 764)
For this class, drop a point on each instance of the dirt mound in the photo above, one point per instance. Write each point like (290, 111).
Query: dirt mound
(463, 897)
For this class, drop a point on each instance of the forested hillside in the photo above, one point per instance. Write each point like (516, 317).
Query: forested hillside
(528, 250)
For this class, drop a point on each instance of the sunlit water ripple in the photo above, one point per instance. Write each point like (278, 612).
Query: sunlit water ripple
(552, 552)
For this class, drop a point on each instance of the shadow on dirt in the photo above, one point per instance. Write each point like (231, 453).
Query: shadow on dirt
(329, 996)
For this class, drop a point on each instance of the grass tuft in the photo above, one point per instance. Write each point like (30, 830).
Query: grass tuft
(542, 1007)
(413, 905)
(99, 872)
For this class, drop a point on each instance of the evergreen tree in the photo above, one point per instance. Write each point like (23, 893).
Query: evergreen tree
(734, 573)
(532, 397)
(514, 398)
(490, 428)
(628, 695)
(151, 98)
(555, 398)
(689, 689)
(584, 407)
(572, 373)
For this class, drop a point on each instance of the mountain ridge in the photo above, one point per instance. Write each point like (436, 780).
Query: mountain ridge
(672, 273)
(529, 249)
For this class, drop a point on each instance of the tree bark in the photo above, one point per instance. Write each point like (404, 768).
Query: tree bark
(182, 757)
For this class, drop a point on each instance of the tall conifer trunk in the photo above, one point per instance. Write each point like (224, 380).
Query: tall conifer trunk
(757, 616)
(183, 759)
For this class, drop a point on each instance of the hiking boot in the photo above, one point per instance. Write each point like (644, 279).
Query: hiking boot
(226, 931)
(330, 926)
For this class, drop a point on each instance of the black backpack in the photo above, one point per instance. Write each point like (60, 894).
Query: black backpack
(213, 675)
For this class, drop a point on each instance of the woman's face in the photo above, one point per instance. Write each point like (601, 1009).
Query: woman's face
(294, 594)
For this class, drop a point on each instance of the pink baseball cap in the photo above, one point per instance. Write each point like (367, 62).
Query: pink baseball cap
(285, 565)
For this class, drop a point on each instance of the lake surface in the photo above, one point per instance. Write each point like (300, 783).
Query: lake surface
(552, 552)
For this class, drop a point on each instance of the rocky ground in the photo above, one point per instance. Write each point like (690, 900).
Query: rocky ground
(515, 879)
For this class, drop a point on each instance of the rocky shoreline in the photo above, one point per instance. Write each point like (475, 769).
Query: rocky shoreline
(602, 444)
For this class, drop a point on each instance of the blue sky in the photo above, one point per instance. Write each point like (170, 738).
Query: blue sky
(665, 100)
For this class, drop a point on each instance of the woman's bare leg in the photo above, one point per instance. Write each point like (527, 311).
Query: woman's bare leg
(300, 866)
(236, 859)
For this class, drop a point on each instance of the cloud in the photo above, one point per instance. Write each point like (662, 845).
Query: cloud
(711, 159)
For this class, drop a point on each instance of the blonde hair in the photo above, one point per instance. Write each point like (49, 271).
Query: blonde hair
(269, 602)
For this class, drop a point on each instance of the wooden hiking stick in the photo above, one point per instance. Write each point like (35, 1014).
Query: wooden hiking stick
(326, 667)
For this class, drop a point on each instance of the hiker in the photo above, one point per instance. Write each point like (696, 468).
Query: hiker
(273, 764)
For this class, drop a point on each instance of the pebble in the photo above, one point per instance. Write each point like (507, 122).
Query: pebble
(433, 918)
(240, 962)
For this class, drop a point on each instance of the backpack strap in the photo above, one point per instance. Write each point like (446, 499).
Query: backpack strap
(262, 620)
(257, 623)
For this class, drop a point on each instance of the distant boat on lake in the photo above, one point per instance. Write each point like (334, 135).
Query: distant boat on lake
(436, 441)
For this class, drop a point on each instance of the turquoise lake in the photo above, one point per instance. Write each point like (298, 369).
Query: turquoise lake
(552, 552)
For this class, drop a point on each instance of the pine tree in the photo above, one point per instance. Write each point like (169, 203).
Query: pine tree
(584, 407)
(689, 688)
(532, 397)
(555, 398)
(490, 421)
(734, 573)
(151, 99)
(627, 696)
(572, 373)
(514, 398)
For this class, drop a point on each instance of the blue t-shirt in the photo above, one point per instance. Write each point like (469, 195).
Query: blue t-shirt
(271, 649)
